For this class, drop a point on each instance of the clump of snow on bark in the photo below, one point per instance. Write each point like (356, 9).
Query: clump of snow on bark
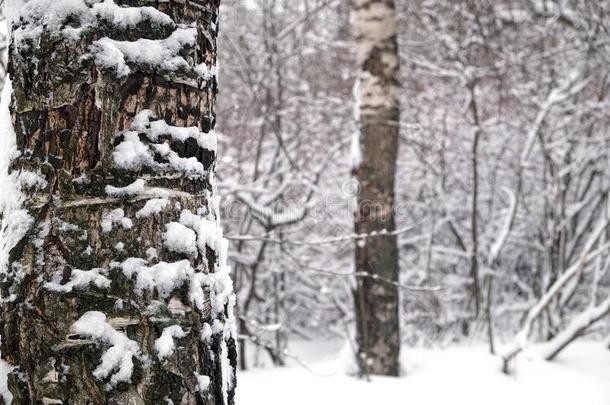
(196, 293)
(154, 129)
(141, 121)
(31, 16)
(178, 238)
(203, 381)
(32, 180)
(115, 217)
(210, 235)
(132, 154)
(36, 14)
(109, 56)
(221, 282)
(186, 165)
(203, 71)
(151, 253)
(125, 17)
(206, 333)
(163, 277)
(152, 207)
(161, 54)
(208, 141)
(164, 345)
(118, 359)
(208, 232)
(217, 326)
(131, 190)
(187, 218)
(64, 226)
(79, 280)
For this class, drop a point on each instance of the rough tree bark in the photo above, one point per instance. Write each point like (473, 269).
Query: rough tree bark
(116, 289)
(376, 294)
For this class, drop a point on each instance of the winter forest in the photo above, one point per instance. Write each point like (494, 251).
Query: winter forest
(328, 202)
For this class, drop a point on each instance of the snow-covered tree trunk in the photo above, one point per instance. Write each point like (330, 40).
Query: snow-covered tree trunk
(374, 161)
(116, 289)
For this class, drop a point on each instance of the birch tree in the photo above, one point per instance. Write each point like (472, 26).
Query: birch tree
(114, 278)
(374, 165)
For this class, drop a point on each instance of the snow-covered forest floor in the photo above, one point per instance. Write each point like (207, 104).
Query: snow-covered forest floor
(456, 375)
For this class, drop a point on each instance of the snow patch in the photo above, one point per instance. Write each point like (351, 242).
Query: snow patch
(455, 375)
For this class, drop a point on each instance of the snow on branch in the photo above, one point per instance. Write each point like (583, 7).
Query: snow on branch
(586, 256)
(576, 328)
(269, 216)
(570, 87)
(325, 241)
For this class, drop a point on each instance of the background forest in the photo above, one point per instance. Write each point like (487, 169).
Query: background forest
(503, 166)
(502, 187)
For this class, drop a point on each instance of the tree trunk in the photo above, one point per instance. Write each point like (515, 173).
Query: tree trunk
(116, 289)
(376, 295)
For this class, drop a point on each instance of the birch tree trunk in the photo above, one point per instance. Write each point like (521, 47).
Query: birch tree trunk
(376, 295)
(116, 289)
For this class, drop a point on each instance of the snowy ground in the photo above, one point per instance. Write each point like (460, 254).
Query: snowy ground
(462, 375)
